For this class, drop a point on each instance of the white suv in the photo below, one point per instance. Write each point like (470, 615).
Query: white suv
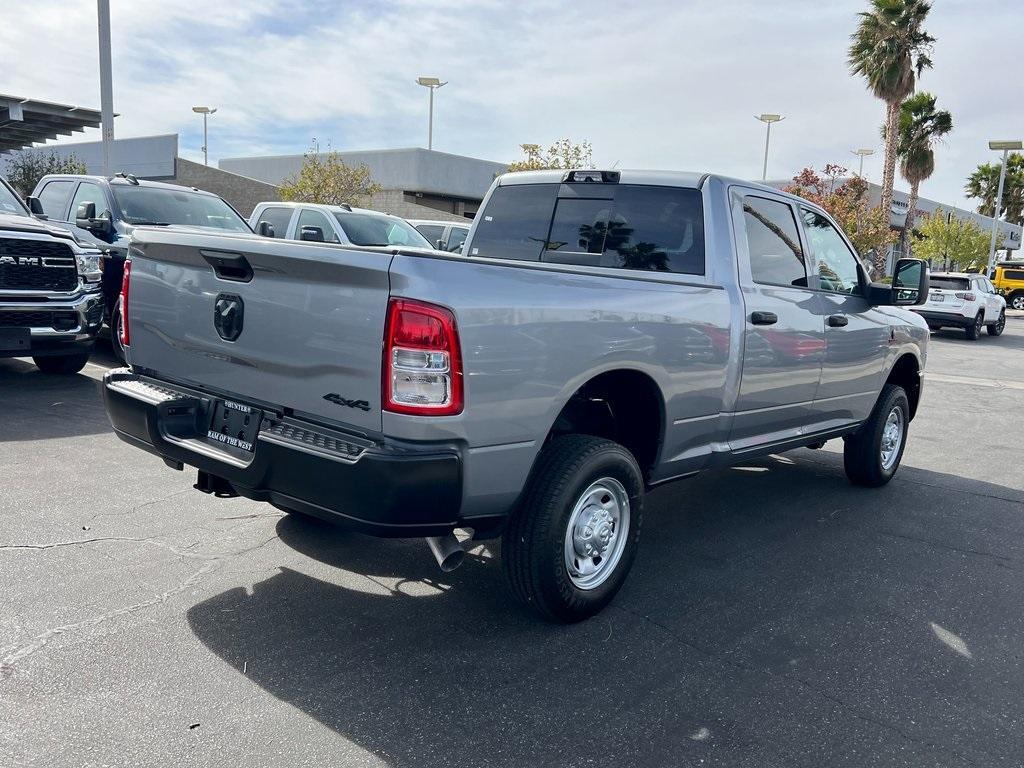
(341, 224)
(961, 300)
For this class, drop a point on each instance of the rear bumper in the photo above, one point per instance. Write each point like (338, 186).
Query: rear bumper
(944, 318)
(391, 490)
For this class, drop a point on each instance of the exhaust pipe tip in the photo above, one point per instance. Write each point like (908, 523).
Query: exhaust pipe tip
(447, 551)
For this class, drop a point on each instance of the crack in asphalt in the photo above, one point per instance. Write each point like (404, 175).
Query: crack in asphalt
(849, 708)
(211, 564)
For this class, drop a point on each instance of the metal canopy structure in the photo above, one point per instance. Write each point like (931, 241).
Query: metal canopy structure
(24, 122)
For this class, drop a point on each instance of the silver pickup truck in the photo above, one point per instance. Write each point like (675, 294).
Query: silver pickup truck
(602, 333)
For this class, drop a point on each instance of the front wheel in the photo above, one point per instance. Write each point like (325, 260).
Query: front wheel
(115, 335)
(974, 331)
(996, 328)
(571, 542)
(1017, 300)
(62, 364)
(872, 454)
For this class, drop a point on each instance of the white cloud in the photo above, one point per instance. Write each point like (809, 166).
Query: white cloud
(657, 84)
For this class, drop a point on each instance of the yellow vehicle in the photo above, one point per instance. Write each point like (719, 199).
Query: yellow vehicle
(1008, 278)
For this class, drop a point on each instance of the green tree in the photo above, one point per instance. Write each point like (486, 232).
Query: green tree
(564, 153)
(920, 126)
(25, 169)
(983, 184)
(954, 243)
(890, 49)
(326, 178)
(846, 200)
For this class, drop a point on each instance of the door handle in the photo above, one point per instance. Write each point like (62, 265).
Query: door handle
(838, 321)
(764, 318)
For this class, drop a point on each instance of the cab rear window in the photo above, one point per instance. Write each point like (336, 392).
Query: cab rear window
(635, 227)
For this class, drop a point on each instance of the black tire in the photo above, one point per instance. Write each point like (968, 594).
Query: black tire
(115, 335)
(996, 328)
(1017, 300)
(533, 545)
(974, 331)
(61, 364)
(862, 452)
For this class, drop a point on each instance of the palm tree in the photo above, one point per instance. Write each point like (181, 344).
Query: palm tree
(920, 126)
(984, 183)
(889, 49)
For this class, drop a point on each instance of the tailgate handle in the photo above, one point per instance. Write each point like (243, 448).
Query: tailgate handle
(229, 266)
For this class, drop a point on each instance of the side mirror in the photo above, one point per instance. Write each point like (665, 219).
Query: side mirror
(85, 214)
(910, 282)
(35, 207)
(85, 217)
(266, 229)
(312, 234)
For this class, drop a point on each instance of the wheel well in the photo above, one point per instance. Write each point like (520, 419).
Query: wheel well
(906, 373)
(624, 406)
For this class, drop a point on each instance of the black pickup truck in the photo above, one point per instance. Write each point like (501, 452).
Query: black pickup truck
(51, 307)
(103, 211)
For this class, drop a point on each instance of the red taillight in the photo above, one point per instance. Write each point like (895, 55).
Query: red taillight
(123, 304)
(965, 295)
(422, 367)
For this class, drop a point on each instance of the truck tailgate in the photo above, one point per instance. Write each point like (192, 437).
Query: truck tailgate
(312, 320)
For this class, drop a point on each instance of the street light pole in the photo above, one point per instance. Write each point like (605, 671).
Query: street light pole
(768, 120)
(1006, 146)
(862, 153)
(106, 83)
(433, 84)
(205, 112)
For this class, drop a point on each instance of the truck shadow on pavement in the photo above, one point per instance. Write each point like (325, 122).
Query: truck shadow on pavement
(37, 406)
(775, 616)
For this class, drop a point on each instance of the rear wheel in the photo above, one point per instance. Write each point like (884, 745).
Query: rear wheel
(1017, 300)
(873, 453)
(568, 547)
(61, 364)
(974, 331)
(996, 328)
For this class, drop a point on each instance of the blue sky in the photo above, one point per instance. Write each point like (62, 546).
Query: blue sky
(654, 84)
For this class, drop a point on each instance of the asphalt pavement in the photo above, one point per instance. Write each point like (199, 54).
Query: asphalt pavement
(776, 615)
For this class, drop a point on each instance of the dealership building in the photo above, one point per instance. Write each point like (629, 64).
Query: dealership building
(416, 183)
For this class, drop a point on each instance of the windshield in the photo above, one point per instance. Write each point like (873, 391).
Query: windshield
(378, 229)
(10, 202)
(156, 205)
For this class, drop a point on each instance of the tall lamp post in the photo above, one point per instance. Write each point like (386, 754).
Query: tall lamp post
(433, 84)
(1006, 146)
(205, 112)
(768, 120)
(863, 153)
(106, 83)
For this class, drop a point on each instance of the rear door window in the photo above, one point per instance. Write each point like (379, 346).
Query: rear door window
(276, 217)
(515, 222)
(54, 198)
(1013, 274)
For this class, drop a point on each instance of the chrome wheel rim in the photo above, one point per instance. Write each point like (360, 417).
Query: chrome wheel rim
(1018, 302)
(596, 534)
(892, 438)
